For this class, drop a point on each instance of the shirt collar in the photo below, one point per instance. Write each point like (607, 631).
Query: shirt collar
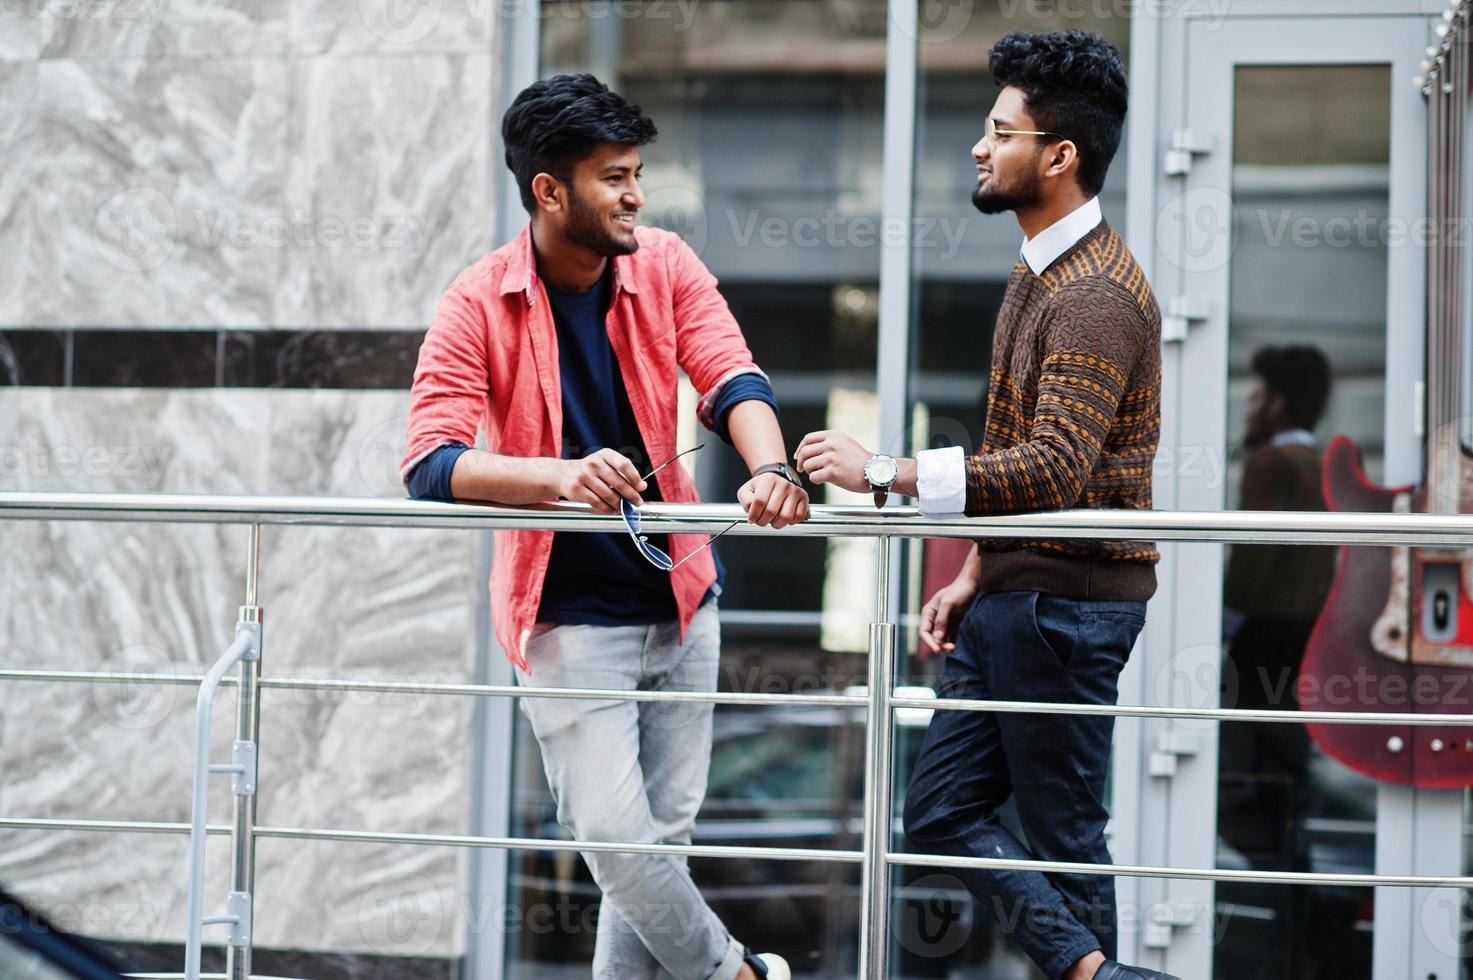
(1041, 250)
(1293, 437)
(521, 268)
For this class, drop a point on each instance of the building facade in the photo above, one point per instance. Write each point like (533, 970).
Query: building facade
(232, 223)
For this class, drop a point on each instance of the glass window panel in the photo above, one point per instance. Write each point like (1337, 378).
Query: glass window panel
(1307, 172)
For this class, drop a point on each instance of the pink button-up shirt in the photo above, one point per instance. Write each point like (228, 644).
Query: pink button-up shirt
(490, 357)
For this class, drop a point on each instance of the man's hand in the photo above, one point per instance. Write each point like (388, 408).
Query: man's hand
(943, 614)
(769, 499)
(831, 456)
(601, 480)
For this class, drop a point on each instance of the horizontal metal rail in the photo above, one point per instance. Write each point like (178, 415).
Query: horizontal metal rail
(108, 677)
(1283, 717)
(773, 854)
(1276, 527)
(106, 826)
(1289, 717)
(573, 693)
(1194, 874)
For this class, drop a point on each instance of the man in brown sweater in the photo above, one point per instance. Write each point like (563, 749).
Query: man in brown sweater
(1073, 418)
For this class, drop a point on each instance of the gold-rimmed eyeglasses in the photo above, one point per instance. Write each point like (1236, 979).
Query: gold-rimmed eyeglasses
(993, 131)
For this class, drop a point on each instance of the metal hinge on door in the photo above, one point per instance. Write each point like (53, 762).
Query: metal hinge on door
(1179, 315)
(1186, 145)
(1162, 919)
(1172, 744)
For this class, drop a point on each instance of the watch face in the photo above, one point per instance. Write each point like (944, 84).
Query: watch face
(881, 471)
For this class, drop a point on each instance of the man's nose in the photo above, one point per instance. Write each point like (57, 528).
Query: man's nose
(982, 151)
(635, 197)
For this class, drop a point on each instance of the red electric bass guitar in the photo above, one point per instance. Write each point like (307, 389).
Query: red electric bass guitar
(1396, 634)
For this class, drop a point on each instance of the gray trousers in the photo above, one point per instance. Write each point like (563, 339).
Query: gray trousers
(635, 772)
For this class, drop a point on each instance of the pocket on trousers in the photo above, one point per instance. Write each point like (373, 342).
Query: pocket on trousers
(1055, 623)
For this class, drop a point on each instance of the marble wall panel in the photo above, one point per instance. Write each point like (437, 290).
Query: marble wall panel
(152, 28)
(17, 144)
(154, 185)
(395, 27)
(389, 213)
(366, 603)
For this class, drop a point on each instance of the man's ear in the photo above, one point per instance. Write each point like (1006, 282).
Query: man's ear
(547, 192)
(1061, 157)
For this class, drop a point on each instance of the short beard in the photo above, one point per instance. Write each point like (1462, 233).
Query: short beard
(585, 227)
(990, 201)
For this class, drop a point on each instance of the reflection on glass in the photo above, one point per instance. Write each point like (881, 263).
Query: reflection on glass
(1307, 338)
(768, 165)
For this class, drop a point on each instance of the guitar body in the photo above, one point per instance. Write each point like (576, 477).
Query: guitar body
(1395, 635)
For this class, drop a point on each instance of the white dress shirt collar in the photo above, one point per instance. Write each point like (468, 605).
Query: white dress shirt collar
(1293, 437)
(1041, 250)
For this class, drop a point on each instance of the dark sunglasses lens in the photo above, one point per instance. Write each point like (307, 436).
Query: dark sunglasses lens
(656, 555)
(631, 516)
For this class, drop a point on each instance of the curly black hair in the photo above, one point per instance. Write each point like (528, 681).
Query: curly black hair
(557, 122)
(1073, 84)
(1301, 375)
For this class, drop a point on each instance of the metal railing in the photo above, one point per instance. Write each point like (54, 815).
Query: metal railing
(875, 857)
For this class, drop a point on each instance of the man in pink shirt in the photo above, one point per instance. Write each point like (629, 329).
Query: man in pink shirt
(566, 346)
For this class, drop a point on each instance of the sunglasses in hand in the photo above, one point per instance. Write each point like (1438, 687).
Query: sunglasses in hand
(632, 521)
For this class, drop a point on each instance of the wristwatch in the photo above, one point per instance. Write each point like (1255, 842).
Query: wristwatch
(781, 469)
(880, 472)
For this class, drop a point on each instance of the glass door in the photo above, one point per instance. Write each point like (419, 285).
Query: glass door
(1291, 282)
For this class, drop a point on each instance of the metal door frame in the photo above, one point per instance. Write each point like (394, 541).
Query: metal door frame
(1178, 817)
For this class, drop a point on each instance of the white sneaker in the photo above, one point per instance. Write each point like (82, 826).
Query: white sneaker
(777, 967)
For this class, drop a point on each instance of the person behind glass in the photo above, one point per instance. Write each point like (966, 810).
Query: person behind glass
(1073, 419)
(1272, 596)
(566, 345)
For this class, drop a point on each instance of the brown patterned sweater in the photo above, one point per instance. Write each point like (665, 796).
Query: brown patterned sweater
(1073, 419)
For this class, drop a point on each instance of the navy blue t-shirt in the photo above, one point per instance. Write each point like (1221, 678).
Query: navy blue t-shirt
(601, 579)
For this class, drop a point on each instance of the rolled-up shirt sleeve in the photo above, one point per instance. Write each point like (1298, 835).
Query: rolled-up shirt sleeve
(430, 478)
(742, 388)
(941, 481)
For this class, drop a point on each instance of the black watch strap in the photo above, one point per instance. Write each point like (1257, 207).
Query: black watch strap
(782, 470)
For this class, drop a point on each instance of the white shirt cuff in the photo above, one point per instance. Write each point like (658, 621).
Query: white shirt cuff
(941, 481)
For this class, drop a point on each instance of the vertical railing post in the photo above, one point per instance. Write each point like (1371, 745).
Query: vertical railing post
(247, 730)
(874, 922)
(245, 650)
